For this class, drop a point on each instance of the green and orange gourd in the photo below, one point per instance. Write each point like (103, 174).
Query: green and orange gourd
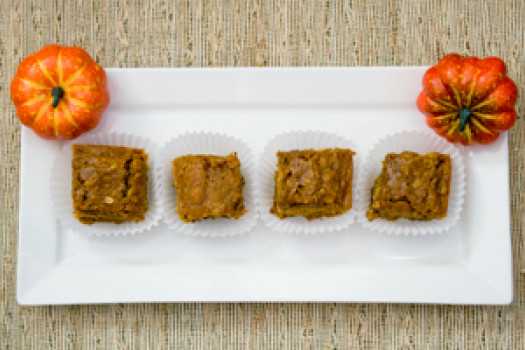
(59, 92)
(467, 99)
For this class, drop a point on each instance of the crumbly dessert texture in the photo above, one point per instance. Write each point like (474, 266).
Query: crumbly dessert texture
(412, 186)
(109, 183)
(208, 186)
(313, 183)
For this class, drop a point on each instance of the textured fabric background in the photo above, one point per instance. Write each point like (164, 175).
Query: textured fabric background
(258, 33)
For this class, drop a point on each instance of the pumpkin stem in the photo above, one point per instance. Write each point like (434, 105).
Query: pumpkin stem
(57, 92)
(464, 116)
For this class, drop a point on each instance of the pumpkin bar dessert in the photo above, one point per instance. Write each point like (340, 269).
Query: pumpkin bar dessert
(109, 183)
(208, 186)
(313, 183)
(412, 186)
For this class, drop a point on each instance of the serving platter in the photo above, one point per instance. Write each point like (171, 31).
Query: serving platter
(469, 264)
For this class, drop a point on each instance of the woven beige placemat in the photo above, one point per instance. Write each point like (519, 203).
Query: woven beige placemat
(258, 33)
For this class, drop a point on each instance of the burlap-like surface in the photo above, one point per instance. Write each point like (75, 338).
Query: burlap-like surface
(258, 33)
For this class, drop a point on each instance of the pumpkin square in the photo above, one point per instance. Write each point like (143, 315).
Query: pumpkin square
(313, 183)
(109, 183)
(412, 186)
(208, 186)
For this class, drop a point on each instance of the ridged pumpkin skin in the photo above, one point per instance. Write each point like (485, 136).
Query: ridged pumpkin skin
(467, 99)
(82, 98)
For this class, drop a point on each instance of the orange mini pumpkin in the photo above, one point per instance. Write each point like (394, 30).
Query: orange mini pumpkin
(467, 99)
(60, 92)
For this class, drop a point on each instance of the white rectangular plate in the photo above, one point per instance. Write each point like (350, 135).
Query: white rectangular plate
(470, 264)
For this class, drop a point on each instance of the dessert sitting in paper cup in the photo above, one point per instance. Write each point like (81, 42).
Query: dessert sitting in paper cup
(110, 183)
(413, 183)
(305, 182)
(206, 184)
(100, 184)
(412, 186)
(313, 183)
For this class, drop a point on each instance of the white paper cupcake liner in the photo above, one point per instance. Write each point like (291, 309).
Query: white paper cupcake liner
(265, 185)
(212, 144)
(61, 183)
(419, 142)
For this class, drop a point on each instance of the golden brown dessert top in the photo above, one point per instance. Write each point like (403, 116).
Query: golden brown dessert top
(109, 183)
(208, 186)
(413, 186)
(313, 183)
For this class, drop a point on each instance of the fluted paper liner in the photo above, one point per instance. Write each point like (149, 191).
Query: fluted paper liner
(212, 144)
(61, 183)
(419, 142)
(265, 185)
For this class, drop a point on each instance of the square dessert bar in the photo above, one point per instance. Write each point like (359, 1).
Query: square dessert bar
(313, 183)
(109, 183)
(208, 186)
(412, 186)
